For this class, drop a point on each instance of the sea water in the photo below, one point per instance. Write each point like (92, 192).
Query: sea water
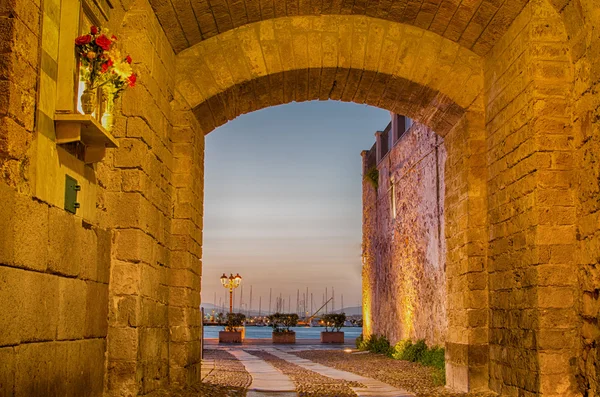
(301, 332)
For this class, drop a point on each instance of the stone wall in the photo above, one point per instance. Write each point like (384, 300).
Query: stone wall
(534, 327)
(105, 300)
(581, 20)
(152, 200)
(54, 267)
(54, 273)
(405, 267)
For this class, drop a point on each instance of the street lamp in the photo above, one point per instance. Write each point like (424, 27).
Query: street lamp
(231, 282)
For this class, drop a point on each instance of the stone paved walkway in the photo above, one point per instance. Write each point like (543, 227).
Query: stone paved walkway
(270, 381)
(265, 377)
(374, 388)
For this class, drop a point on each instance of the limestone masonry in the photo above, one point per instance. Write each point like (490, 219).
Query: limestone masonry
(495, 247)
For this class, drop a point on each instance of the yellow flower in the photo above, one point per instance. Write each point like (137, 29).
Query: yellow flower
(91, 55)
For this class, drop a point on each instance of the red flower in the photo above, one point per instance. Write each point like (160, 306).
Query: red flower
(113, 37)
(94, 30)
(103, 42)
(128, 59)
(83, 40)
(132, 79)
(106, 65)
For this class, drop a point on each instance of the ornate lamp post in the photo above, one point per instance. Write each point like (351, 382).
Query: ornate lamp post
(231, 282)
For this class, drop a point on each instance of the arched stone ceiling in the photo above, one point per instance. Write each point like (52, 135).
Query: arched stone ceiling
(474, 24)
(360, 59)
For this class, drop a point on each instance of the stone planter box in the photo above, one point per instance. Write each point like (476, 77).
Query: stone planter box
(332, 337)
(284, 337)
(230, 337)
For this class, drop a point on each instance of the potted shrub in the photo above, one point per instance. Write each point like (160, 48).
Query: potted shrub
(333, 324)
(234, 328)
(281, 324)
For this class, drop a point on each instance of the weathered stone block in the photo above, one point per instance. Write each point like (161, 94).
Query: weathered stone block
(123, 343)
(133, 245)
(96, 313)
(72, 308)
(64, 242)
(126, 278)
(103, 255)
(24, 235)
(7, 371)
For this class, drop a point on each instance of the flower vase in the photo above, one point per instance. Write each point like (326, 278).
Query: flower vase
(88, 100)
(108, 118)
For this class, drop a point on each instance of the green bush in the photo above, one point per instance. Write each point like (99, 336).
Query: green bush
(375, 344)
(360, 342)
(420, 353)
(434, 357)
(407, 350)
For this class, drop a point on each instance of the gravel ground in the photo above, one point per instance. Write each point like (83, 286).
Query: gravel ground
(411, 377)
(228, 372)
(228, 379)
(309, 383)
(201, 390)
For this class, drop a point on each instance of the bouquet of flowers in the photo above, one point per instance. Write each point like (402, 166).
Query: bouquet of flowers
(102, 65)
(119, 76)
(93, 49)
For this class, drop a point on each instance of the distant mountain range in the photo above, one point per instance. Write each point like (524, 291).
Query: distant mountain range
(209, 307)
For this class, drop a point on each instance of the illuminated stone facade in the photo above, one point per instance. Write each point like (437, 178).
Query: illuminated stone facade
(404, 252)
(510, 87)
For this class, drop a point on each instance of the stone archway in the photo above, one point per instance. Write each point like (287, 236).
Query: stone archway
(397, 67)
(350, 58)
(523, 188)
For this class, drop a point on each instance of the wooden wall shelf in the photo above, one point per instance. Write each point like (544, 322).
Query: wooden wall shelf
(75, 127)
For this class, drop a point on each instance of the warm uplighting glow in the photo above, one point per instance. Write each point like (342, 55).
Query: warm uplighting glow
(348, 350)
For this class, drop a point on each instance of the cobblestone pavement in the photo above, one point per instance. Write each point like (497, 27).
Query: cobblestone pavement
(222, 376)
(225, 376)
(405, 375)
(309, 383)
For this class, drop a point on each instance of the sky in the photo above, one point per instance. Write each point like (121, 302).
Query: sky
(283, 204)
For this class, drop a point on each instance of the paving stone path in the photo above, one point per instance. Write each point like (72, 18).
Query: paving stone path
(265, 377)
(270, 381)
(374, 388)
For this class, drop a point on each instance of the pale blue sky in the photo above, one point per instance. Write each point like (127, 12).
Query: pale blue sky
(283, 200)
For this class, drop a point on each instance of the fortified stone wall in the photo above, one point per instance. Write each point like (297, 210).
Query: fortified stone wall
(532, 235)
(405, 256)
(106, 299)
(54, 267)
(584, 39)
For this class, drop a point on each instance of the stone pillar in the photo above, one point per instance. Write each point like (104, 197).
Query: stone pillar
(138, 207)
(467, 349)
(532, 235)
(186, 266)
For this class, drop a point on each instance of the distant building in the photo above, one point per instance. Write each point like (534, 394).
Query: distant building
(404, 283)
